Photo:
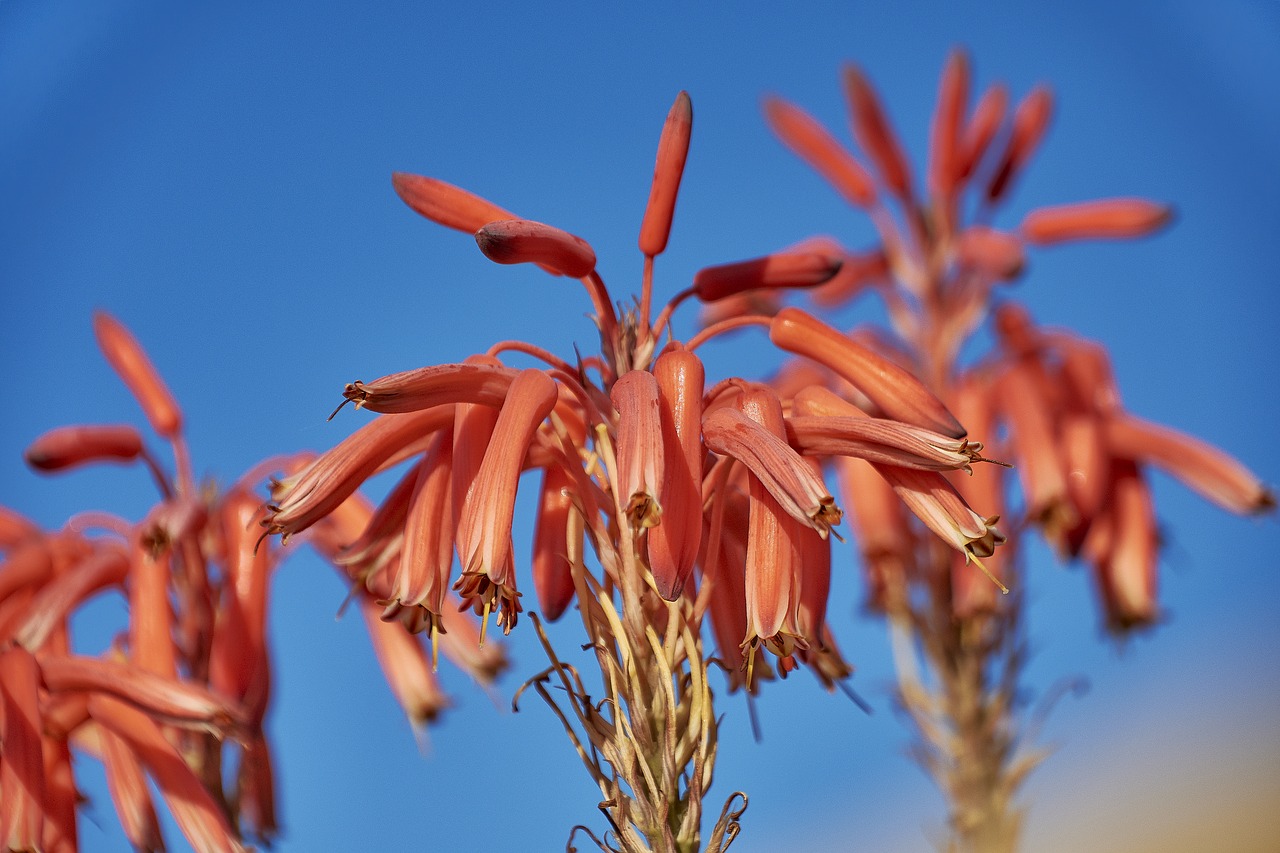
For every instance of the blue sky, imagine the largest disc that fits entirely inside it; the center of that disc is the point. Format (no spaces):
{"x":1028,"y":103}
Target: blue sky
{"x":218,"y":178}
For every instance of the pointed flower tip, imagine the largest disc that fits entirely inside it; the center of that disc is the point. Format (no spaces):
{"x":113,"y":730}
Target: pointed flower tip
{"x":517,"y":241}
{"x":130,"y":362}
{"x":1103,"y":219}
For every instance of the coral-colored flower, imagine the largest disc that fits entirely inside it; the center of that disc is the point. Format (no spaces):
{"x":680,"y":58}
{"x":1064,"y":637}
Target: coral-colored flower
{"x":523,"y":241}
{"x":673,"y":149}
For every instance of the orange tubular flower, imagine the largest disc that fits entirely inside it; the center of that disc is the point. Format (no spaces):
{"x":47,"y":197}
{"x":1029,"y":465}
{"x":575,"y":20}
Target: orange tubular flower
{"x":895,"y":391}
{"x":879,"y":523}
{"x":779,"y":468}
{"x":521,"y":241}
{"x":881,"y":440}
{"x":405,"y":664}
{"x":776,"y":271}
{"x":773,"y":551}
{"x":197,"y":814}
{"x":673,"y":545}
{"x":987,"y":117}
{"x":871,"y":129}
{"x":484,"y":527}
{"x":127,"y":785}
{"x":336,"y":474}
{"x":150,"y":614}
{"x":22,"y":777}
{"x":557,"y":543}
{"x":640,"y":448}
{"x":131,"y":363}
{"x":1040,"y":464}
{"x":936,"y":502}
{"x":1126,"y":562}
{"x":426,"y":557}
{"x":800,"y":132}
{"x":673,"y":149}
{"x":1204,"y":468}
{"x":69,"y":447}
{"x":414,"y":390}
{"x":971,"y":594}
{"x":1104,"y":219}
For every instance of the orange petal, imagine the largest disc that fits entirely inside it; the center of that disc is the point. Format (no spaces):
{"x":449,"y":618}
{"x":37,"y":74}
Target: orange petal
{"x":640,"y":449}
{"x":673,"y":149}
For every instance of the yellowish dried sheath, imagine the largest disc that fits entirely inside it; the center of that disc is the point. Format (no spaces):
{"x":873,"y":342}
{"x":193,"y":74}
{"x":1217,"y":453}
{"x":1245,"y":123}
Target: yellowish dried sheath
{"x":895,"y":391}
{"x":523,"y":241}
{"x":72,"y":446}
{"x":1104,"y":219}
{"x":127,"y":358}
{"x":673,"y":149}
{"x":779,"y":270}
{"x":811,"y":142}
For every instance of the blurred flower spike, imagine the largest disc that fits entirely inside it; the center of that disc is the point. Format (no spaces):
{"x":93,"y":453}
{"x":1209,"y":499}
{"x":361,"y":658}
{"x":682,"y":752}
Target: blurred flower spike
{"x":1042,"y":400}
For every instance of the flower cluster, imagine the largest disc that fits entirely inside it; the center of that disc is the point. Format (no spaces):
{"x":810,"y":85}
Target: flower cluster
{"x":1044,"y":399}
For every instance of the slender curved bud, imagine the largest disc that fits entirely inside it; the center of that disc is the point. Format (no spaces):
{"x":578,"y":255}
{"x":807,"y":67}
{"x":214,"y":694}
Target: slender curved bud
{"x":673,"y":149}
{"x":945,"y":133}
{"x":425,"y":387}
{"x":484,"y":526}
{"x":1214,"y":474}
{"x":1103,"y":219}
{"x":895,"y":391}
{"x":997,"y":254}
{"x":987,"y":117}
{"x":872,"y":130}
{"x":200,"y":818}
{"x":780,"y":270}
{"x":674,"y":544}
{"x":520,"y":241}
{"x":72,"y":446}
{"x":1030,"y":120}
{"x":557,"y":543}
{"x":640,"y":450}
{"x":22,"y":776}
{"x":811,"y":142}
{"x":130,"y":362}
{"x":446,"y":204}
{"x":780,"y":469}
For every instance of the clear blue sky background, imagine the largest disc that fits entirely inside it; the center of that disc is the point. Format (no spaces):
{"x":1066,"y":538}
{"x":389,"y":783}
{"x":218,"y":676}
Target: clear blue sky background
{"x":218,"y":178}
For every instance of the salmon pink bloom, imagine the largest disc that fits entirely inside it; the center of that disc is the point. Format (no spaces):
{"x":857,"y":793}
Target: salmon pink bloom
{"x":521,"y":241}
{"x":816,"y":146}
{"x":674,"y":544}
{"x":557,"y":543}
{"x":69,"y":447}
{"x":640,"y":448}
{"x":875,"y":136}
{"x":782,"y":270}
